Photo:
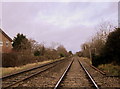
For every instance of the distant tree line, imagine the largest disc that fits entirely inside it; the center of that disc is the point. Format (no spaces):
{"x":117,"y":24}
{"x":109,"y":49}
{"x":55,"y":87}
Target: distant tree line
{"x":28,"y":51}
{"x":104,"y":47}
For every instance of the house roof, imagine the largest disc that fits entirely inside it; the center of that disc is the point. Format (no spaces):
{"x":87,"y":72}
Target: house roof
{"x":5,"y":35}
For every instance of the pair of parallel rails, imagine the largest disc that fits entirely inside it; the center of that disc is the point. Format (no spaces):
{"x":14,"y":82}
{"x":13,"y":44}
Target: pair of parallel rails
{"x":12,"y":79}
{"x":95,"y":86}
{"x":27,"y":74}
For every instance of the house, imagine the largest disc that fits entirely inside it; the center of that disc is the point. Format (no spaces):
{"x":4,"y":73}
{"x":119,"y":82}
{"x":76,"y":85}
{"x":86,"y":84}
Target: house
{"x":5,"y":42}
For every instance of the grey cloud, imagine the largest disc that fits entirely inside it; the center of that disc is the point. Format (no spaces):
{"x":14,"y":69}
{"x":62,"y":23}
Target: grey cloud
{"x":21,"y":18}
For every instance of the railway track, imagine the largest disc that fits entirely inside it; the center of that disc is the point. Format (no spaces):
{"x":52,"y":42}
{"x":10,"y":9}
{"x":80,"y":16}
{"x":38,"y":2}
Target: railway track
{"x":11,"y":80}
{"x":89,"y":76}
{"x":65,"y":76}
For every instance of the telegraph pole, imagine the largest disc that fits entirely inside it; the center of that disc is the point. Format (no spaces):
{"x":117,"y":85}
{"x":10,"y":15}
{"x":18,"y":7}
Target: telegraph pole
{"x":90,"y":53}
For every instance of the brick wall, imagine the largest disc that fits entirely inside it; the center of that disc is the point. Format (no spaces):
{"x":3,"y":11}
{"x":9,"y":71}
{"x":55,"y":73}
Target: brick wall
{"x":6,"y":46}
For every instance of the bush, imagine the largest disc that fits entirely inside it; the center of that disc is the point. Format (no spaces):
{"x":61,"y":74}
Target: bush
{"x":37,"y":53}
{"x":9,"y":59}
{"x":40,"y":58}
{"x":112,"y":46}
{"x":111,"y":51}
{"x":16,"y":59}
{"x":62,"y":55}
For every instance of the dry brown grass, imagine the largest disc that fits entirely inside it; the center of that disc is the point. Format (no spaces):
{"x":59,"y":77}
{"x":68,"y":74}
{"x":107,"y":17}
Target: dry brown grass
{"x":86,"y":60}
{"x":9,"y":70}
{"x":110,"y":69}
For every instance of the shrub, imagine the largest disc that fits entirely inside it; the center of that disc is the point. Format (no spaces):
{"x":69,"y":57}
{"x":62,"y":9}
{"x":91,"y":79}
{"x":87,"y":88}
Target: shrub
{"x":16,"y":59}
{"x":37,"y":53}
{"x":40,"y":58}
{"x":110,"y":52}
{"x":9,"y":59}
{"x":62,"y":55}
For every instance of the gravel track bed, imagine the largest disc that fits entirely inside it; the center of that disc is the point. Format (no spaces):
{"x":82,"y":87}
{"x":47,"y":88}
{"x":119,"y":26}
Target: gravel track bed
{"x":21,"y":76}
{"x":18,"y":77}
{"x":46,"y":79}
{"x":76,"y":77}
{"x":102,"y":81}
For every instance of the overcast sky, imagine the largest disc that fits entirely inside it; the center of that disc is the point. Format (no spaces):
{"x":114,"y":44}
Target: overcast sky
{"x":68,"y":23}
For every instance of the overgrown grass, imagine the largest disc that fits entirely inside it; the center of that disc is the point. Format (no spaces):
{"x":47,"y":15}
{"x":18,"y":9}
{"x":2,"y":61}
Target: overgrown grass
{"x":110,"y":69}
{"x":87,"y":60}
{"x":9,"y":70}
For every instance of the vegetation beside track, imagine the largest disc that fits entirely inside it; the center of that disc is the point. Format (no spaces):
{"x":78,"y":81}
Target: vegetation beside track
{"x":110,"y":69}
{"x":9,"y":70}
{"x":103,"y":50}
{"x":86,"y":60}
{"x":26,"y":51}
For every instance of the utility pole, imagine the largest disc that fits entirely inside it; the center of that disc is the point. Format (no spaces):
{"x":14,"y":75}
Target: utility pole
{"x":90,"y":52}
{"x":89,"y":49}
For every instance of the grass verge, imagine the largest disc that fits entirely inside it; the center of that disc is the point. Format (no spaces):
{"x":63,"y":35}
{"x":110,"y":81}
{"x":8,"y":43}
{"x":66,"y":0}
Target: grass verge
{"x":87,"y":60}
{"x":110,"y":69}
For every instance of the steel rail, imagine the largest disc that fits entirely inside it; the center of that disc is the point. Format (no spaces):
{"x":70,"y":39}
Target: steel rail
{"x":27,"y":70}
{"x":90,"y":77}
{"x":103,"y":73}
{"x":28,"y":77}
{"x":31,"y":74}
{"x":63,"y":75}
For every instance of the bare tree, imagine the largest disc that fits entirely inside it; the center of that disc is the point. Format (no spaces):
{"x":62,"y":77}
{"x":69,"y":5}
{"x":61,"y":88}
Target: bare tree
{"x":62,"y":51}
{"x":97,"y":42}
{"x":54,"y":45}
